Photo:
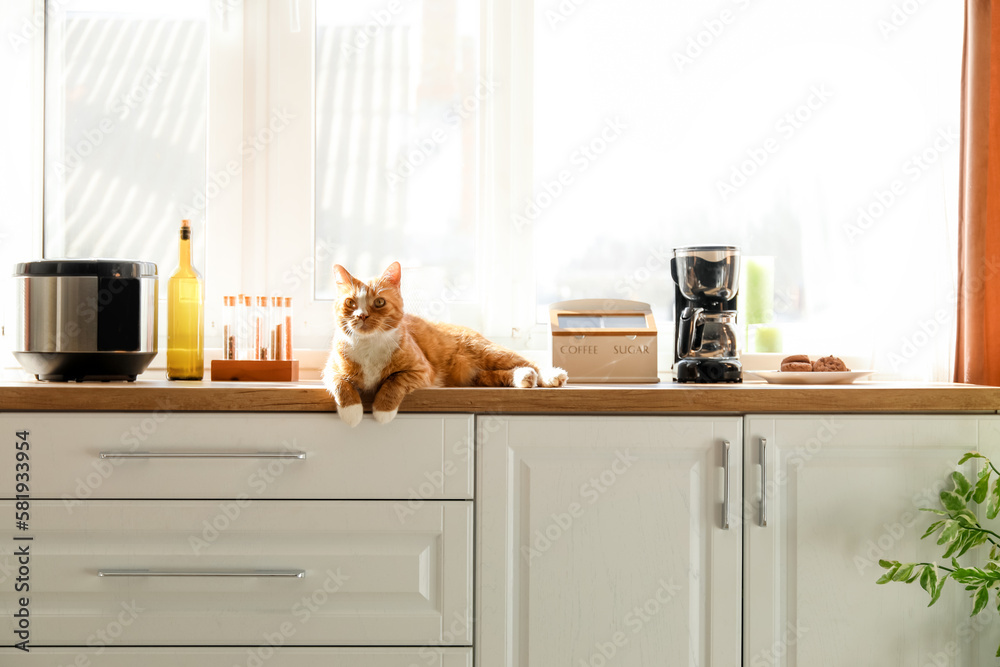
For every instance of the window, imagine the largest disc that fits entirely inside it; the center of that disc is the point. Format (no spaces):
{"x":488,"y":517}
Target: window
{"x":514,"y":154}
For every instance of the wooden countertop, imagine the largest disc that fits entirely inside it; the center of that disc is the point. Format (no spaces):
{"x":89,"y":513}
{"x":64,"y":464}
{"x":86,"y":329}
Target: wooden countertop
{"x":665,"y":397}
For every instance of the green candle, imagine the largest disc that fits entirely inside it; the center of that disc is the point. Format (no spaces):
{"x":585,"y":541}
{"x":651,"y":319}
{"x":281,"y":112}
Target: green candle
{"x":758,"y":300}
{"x":767,"y":339}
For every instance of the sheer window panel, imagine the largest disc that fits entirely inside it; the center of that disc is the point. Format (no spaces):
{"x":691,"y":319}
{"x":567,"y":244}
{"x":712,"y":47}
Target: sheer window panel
{"x":643,"y":142}
{"x":399,"y":90}
{"x":126,"y":116}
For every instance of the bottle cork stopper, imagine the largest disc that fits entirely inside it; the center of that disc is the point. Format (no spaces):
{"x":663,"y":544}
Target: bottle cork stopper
{"x":185,"y":224}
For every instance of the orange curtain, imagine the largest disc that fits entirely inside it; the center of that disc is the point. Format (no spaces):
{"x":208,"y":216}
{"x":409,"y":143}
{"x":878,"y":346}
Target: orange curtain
{"x":977,"y":353}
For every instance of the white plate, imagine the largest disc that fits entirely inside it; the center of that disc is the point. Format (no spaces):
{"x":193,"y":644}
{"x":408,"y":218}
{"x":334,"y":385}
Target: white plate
{"x":810,"y":377}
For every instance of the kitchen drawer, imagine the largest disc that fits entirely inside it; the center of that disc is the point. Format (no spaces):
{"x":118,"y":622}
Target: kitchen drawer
{"x":413,"y":457}
{"x":246,"y":657}
{"x":374,"y":572}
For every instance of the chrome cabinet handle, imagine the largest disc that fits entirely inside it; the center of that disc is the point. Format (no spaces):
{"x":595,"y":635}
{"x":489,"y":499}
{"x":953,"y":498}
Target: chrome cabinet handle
{"x":203,"y":455}
{"x":296,"y":574}
{"x":763,"y":482}
{"x":725,"y":497}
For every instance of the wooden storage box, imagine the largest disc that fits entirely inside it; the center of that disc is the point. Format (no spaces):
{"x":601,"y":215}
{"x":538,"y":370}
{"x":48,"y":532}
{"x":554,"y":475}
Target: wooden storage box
{"x":604,"y":340}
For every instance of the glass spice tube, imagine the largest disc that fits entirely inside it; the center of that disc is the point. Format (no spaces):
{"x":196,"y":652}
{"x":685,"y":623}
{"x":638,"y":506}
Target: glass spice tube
{"x":241,"y":327}
{"x":260,"y":329}
{"x":276,"y":325}
{"x":288,"y":328}
{"x":229,"y":327}
{"x":247,"y":327}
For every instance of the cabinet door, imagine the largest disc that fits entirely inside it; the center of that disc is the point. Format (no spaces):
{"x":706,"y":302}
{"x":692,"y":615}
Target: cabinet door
{"x":602,"y":541}
{"x":840,"y":493}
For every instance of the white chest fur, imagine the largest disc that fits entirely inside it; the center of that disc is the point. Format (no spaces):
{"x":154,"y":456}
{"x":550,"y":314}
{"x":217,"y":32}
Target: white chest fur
{"x":372,"y":353}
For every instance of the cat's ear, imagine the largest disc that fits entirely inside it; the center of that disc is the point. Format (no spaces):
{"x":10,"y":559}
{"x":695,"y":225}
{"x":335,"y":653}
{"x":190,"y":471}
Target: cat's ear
{"x":392,"y":274}
{"x":343,"y":277}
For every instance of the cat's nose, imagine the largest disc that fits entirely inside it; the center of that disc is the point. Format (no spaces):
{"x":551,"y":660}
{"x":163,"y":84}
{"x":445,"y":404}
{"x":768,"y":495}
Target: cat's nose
{"x":362,"y":316}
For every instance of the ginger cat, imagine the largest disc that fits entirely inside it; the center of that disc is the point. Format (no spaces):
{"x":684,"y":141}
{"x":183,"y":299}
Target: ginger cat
{"x":381,"y":353}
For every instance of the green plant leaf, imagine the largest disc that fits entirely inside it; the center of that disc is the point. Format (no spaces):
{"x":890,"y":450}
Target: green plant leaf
{"x":970,"y":540}
{"x":950,"y":532}
{"x":975,"y":576}
{"x":962,"y":485}
{"x":892,"y":566}
{"x":934,"y":511}
{"x":982,"y":597}
{"x":967,"y":518}
{"x":904,"y":572}
{"x":971,"y":455}
{"x":934,"y":585}
{"x":886,"y":578}
{"x":982,"y":486}
{"x":993,"y":507}
{"x":952,"y":501}
{"x":953,"y":547}
{"x":934,"y":526}
{"x":938,"y":589}
{"x":925,"y":579}
{"x":965,"y":575}
{"x":963,"y":543}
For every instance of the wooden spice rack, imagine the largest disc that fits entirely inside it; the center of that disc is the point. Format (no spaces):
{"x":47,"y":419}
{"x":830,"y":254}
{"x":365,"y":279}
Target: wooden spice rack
{"x":239,"y":370}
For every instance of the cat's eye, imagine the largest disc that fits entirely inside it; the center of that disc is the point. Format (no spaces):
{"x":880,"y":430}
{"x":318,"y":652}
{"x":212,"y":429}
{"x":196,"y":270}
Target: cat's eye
{"x":379,"y":302}
{"x":351,"y":303}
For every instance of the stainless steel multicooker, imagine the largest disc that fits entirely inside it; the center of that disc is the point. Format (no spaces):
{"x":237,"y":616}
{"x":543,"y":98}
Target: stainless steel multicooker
{"x":86,"y":319}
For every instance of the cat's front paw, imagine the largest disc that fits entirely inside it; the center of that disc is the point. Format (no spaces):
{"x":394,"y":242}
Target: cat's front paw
{"x":351,"y":414}
{"x":384,"y":416}
{"x":525,"y":377}
{"x":553,"y":377}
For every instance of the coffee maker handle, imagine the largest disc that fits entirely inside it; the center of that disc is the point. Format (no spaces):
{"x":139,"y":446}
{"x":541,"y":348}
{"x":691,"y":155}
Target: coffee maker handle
{"x":689,"y":331}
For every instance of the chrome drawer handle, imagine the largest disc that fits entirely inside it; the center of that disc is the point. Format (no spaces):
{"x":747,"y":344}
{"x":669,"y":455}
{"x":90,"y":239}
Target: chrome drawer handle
{"x":725,"y":500}
{"x":203,"y":455}
{"x":296,"y":574}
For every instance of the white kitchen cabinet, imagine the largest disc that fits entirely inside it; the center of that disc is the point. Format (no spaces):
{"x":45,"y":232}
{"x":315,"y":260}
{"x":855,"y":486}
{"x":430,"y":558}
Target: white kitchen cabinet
{"x":602,"y":541}
{"x":840,"y":493}
{"x":239,"y":530}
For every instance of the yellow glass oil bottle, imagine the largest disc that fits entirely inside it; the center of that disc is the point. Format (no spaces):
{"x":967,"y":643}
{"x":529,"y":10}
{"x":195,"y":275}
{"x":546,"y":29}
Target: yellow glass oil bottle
{"x":185,"y":316}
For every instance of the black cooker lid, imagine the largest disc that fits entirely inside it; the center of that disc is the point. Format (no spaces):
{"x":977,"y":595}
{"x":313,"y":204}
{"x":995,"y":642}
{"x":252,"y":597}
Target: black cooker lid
{"x":101,"y":268}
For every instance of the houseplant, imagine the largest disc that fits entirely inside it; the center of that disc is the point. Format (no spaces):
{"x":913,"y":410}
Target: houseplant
{"x":959,"y":531}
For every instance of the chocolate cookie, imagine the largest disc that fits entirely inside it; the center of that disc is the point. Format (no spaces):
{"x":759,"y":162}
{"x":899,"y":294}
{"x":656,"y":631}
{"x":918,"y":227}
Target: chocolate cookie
{"x":829,"y":364}
{"x":797,"y":363}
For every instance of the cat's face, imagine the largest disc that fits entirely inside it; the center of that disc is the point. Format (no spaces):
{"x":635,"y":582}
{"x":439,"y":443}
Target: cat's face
{"x":372,"y":307}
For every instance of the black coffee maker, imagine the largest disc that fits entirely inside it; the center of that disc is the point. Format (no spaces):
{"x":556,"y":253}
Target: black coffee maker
{"x":706,"y":280}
